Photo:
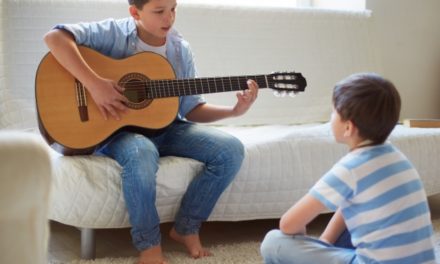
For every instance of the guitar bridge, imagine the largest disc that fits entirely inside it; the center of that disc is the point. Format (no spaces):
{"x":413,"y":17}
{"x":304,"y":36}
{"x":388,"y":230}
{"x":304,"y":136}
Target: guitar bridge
{"x":81,"y":100}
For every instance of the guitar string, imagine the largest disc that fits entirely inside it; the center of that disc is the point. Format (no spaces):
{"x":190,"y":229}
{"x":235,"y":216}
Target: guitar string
{"x":194,"y":81}
{"x":195,"y":88}
{"x":218,"y":79}
{"x":192,"y":84}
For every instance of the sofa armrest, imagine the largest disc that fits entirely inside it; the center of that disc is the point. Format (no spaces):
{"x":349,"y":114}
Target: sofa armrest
{"x":25,"y":173}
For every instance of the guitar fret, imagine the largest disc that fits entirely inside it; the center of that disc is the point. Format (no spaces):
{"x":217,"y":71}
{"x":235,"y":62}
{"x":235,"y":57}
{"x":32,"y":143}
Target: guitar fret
{"x":202,"y":84}
{"x":200,"y":81}
{"x":155,"y":89}
{"x":159,"y":89}
{"x":230,"y":82}
{"x":164,"y":90}
{"x":212,"y":83}
{"x":190,"y":89}
{"x":215,"y":84}
{"x":237,"y":80}
{"x":240,"y":81}
{"x":194,"y":89}
{"x":156,"y":92}
{"x":207,"y":84}
{"x":218,"y":85}
{"x":166,"y":86}
{"x":208,"y":81}
{"x":185,"y":92}
{"x":171,"y":90}
{"x":176,"y":90}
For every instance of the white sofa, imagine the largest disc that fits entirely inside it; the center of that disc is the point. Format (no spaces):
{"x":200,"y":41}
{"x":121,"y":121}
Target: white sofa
{"x":288,"y":142}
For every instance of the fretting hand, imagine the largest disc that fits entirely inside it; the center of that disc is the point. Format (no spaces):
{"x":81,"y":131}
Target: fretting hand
{"x":246,"y":98}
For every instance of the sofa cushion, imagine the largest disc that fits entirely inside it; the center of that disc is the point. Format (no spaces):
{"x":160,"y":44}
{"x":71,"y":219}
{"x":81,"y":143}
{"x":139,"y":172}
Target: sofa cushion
{"x":278,"y":169}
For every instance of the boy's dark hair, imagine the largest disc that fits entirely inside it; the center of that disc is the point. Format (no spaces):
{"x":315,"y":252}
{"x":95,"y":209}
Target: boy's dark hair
{"x":138,"y":3}
{"x":371,"y":102}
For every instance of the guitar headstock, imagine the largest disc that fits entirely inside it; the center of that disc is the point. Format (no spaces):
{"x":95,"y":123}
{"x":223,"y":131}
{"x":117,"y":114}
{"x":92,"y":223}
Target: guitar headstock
{"x":286,"y":83}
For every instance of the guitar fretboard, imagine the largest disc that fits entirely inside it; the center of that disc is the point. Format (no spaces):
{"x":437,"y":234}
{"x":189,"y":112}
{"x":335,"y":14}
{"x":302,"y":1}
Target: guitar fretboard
{"x":182,"y":87}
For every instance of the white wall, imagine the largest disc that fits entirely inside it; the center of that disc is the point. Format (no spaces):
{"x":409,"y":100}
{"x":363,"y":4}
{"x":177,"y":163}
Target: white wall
{"x":324,"y":45}
{"x":408,"y":35}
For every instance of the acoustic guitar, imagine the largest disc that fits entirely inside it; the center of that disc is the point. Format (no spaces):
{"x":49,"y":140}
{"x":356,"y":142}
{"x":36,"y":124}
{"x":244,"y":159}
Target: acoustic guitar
{"x":72,"y":124}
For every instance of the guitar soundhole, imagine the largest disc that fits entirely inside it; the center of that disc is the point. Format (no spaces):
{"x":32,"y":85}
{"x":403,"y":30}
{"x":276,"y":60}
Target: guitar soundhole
{"x":135,"y":91}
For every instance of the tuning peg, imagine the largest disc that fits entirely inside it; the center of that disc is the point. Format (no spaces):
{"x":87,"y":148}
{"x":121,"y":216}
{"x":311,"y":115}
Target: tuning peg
{"x":292,"y":94}
{"x":276,"y":93}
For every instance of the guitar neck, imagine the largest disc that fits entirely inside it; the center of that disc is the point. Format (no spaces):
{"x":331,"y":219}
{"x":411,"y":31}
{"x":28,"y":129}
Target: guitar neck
{"x":182,"y":87}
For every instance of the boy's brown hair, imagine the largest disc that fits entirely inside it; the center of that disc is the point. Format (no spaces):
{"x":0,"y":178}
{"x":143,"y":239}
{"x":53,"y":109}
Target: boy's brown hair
{"x":138,"y":3}
{"x":371,"y":102}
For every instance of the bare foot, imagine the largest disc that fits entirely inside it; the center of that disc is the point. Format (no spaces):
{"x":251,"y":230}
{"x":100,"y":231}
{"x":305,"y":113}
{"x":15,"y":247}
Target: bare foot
{"x":152,"y":255}
{"x":192,"y":244}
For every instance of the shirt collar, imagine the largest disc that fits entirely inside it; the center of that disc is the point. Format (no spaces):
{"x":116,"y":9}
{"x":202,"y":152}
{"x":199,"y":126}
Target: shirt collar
{"x":131,"y":27}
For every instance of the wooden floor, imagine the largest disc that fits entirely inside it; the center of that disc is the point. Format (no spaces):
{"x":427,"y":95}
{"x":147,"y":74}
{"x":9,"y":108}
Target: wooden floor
{"x":64,"y":245}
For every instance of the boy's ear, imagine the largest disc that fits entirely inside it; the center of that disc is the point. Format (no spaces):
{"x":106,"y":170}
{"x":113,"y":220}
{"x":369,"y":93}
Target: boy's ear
{"x":133,"y":12}
{"x":350,"y":129}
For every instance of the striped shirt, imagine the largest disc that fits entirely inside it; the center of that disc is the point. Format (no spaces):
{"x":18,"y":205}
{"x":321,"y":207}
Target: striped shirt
{"x":383,"y":203}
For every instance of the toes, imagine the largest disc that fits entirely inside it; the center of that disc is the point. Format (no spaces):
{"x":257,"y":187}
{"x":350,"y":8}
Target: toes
{"x":200,"y":253}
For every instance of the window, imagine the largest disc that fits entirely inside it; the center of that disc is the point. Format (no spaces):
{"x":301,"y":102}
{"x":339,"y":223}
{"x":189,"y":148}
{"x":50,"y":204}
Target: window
{"x":327,"y":4}
{"x":337,"y":4}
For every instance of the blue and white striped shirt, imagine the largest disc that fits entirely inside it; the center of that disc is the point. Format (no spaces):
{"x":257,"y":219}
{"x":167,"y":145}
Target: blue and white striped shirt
{"x":383,"y":203}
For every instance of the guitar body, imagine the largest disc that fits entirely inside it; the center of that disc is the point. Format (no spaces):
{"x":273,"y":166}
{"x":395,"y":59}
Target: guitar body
{"x":74,"y":125}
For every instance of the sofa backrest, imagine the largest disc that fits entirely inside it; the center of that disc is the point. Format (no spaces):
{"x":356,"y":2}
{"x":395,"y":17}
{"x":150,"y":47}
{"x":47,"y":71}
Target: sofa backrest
{"x":323,"y":45}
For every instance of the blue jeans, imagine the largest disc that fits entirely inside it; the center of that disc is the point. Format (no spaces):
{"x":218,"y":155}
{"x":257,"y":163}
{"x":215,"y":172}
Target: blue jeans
{"x":138,"y":156}
{"x":278,"y":248}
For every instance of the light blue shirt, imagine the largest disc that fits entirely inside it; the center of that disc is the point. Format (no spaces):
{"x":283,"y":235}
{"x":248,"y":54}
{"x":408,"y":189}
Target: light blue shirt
{"x":117,"y":38}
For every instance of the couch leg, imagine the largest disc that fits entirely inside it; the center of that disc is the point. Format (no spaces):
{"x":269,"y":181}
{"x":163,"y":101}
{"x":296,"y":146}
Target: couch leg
{"x":87,"y":243}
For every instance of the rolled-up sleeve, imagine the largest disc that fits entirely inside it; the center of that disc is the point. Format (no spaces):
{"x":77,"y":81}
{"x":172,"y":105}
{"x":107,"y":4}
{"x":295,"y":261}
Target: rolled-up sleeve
{"x":103,"y":36}
{"x":188,"y":103}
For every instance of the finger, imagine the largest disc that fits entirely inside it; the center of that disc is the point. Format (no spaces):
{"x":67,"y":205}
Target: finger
{"x":120,"y":106}
{"x":253,"y":87}
{"x":112,"y":112}
{"x":120,"y":96}
{"x":103,"y":112}
{"x":251,"y":83}
{"x":118,"y":88}
{"x":248,"y":95}
{"x":241,"y":97}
